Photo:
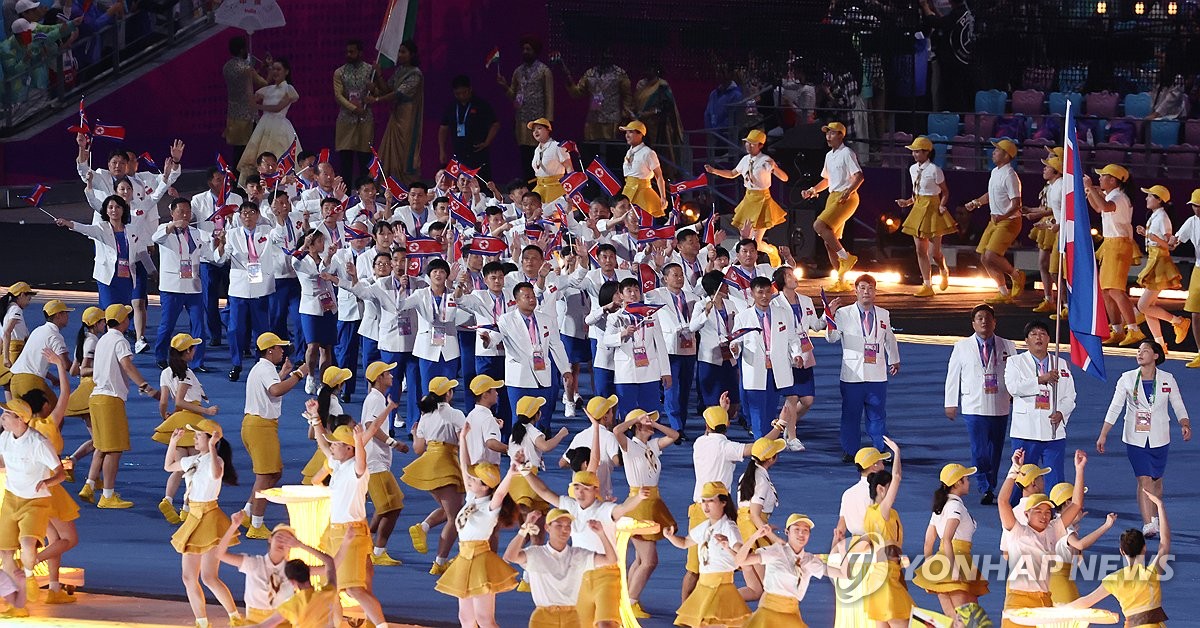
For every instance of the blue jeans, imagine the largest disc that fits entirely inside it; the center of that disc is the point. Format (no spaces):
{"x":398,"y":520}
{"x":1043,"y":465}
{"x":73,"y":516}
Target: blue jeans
{"x":214,"y":284}
{"x":987,"y":448}
{"x":406,"y":369}
{"x":642,"y":396}
{"x":493,"y":367}
{"x":675,"y":398}
{"x":173,"y":304}
{"x":762,"y":406}
{"x":857,"y":398}
{"x":345,"y":352}
{"x":1044,"y":453}
{"x":285,"y":315}
{"x":247,"y":319}
{"x":466,"y":361}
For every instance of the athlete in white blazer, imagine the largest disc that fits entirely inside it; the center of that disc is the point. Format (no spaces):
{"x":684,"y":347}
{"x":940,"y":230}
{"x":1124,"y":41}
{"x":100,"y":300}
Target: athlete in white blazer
{"x":438,"y":318}
{"x":766,"y":356}
{"x":640,"y":359}
{"x":590,"y":281}
{"x":745,"y":264}
{"x":975,"y":385}
{"x":534,"y":355}
{"x":116,"y":252}
{"x":487,"y":306}
{"x":713,"y":319}
{"x":251,"y":258}
{"x":675,"y":317}
{"x":214,"y":278}
{"x":1043,"y":392}
{"x":181,"y":249}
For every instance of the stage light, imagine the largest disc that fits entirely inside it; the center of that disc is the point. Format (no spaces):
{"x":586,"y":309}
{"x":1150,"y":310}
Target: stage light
{"x":798,"y":273}
{"x":1101,"y":7}
{"x":973,"y":282}
{"x":881,"y":276}
{"x":889,"y":223}
{"x":1095,"y":232}
{"x":1172,"y":8}
{"x":1139,"y":8}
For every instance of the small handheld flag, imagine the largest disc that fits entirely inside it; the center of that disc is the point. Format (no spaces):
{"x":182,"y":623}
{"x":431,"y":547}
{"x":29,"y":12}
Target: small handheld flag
{"x":413,"y":268}
{"x":146,"y":159}
{"x":35,"y":197}
{"x":578,"y":202}
{"x":829,"y":324}
{"x":353,"y":234}
{"x":570,"y":146}
{"x":573,"y":181}
{"x":710,"y":231}
{"x":486,"y":246}
{"x":424,"y":247}
{"x":453,"y":167}
{"x":82,"y":127}
{"x":604,"y":177}
{"x":691,"y":184}
{"x":109,"y":131}
{"x":736,"y":279}
{"x":398,"y":191}
{"x":647,"y":277}
{"x":492,"y":57}
{"x":743,"y":331}
{"x":224,"y":212}
{"x":323,"y":156}
{"x":298,"y":253}
{"x":646,"y":236}
{"x":376,"y":166}
{"x":462,"y":215}
{"x":641,"y":311}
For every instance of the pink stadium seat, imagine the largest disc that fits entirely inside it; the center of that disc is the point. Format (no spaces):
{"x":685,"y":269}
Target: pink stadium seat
{"x":1033,"y":151}
{"x":1180,"y":162}
{"x":1101,"y":104}
{"x":1029,"y":102}
{"x":1144,"y":162}
{"x":1106,"y":153}
{"x":1191,"y":132}
{"x":965,"y":152}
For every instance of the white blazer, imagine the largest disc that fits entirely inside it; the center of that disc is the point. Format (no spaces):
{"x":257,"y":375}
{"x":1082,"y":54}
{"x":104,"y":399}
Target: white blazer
{"x":675,"y":324}
{"x":598,"y":318}
{"x":751,"y":349}
{"x":806,"y":319}
{"x":1028,"y":421}
{"x":555,"y":286}
{"x":713,"y":329}
{"x":236,"y":253}
{"x":966,"y":374}
{"x":519,"y":369}
{"x":284,"y":236}
{"x":850,"y":333}
{"x":1166,"y":397}
{"x":743,"y":298}
{"x":411,"y":223}
{"x":105,"y":268}
{"x":397,"y":327}
{"x":590,"y":282}
{"x":692,"y":273}
{"x":203,"y":207}
{"x":573,"y":308}
{"x":481,"y":305}
{"x":649,"y":336}
{"x":449,"y":317}
{"x":172,"y":250}
{"x":312,"y":288}
{"x":350,"y":306}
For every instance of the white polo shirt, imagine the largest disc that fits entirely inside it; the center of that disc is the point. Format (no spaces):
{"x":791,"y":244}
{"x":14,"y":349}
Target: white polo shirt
{"x":581,"y":535}
{"x":263,"y":375}
{"x":483,"y":428}
{"x":954,"y":509}
{"x":31,"y":361}
{"x":266,"y":585}
{"x":27,"y":460}
{"x":554,"y":576}
{"x":714,"y":458}
{"x":841,"y":164}
{"x":927,"y":179}
{"x":713,"y":557}
{"x":1030,"y":554}
{"x":379,"y":456}
{"x":202,"y":486}
{"x":1119,"y":223}
{"x":788,"y":573}
{"x":764,"y":492}
{"x":106,"y":368}
{"x":347,"y":492}
{"x":855,"y":501}
{"x":642,"y":462}
{"x":609,"y":449}
{"x":756,"y":171}
{"x":1003,"y":186}
{"x":640,"y":162}
{"x":476,"y":520}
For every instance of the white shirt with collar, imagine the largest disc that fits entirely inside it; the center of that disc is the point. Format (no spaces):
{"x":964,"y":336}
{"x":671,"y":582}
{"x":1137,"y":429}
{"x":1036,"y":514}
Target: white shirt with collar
{"x":756,"y":171}
{"x":1003,"y":187}
{"x":379,"y":455}
{"x":259,"y":401}
{"x":804,"y":313}
{"x":348,"y":492}
{"x":350,"y":306}
{"x":777,"y":325}
{"x":106,"y":366}
{"x":675,"y":317}
{"x":1029,"y":421}
{"x":590,"y":282}
{"x":841,"y":164}
{"x":715,"y":558}
{"x":554,"y":576}
{"x":597,"y":319}
{"x":397,"y":329}
{"x":487,"y":308}
{"x":246,"y":281}
{"x":973,"y":386}
{"x":581,"y":535}
{"x":927,"y":179}
{"x":31,"y":361}
{"x":857,"y":337}
{"x":648,"y":338}
{"x":640,"y":162}
{"x":104,"y":270}
{"x":550,"y":160}
{"x":204,"y":205}
{"x":412,"y":222}
{"x":1118,"y":223}
{"x":1147,"y":421}
{"x":521,"y":349}
{"x":180,"y":254}
{"x":484,"y":428}
{"x":743,"y":297}
{"x":28,"y":459}
{"x":610,"y":450}
{"x":714,"y":459}
{"x":787,"y":573}
{"x":437,"y":320}
{"x":853,"y":509}
{"x":713,"y":329}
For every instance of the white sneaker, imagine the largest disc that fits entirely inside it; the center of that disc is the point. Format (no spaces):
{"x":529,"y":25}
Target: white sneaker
{"x":795,"y":444}
{"x":1150,"y":530}
{"x":565,"y":399}
{"x":404,"y":385}
{"x":569,"y":409}
{"x":141,"y":345}
{"x":398,"y":422}
{"x":310,"y":385}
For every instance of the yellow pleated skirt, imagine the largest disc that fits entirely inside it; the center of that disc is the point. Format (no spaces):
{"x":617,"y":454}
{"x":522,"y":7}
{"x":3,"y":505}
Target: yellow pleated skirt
{"x":385,"y":492}
{"x":714,"y":601}
{"x":202,"y":529}
{"x":477,"y":570}
{"x":14,"y":350}
{"x":777,"y":611}
{"x":926,"y":220}
{"x":77,"y":403}
{"x":549,"y":189}
{"x":524,"y":495}
{"x":641,"y":193}
{"x":178,"y":420}
{"x":758,"y":211}
{"x":435,"y":468}
{"x":891,"y":599}
{"x":653,"y":508}
{"x":1063,"y":589}
{"x":62,"y":506}
{"x":353,"y":566}
{"x":1160,"y":272}
{"x":746,"y":526}
{"x":937,"y":575}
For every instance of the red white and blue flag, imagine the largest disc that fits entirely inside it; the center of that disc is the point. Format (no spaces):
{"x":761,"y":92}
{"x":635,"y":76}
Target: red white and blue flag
{"x":647,"y":277}
{"x":829,"y":324}
{"x":569,"y":146}
{"x":641,"y":311}
{"x":462,"y":215}
{"x":603,"y":177}
{"x":736,"y":279}
{"x":577,"y":201}
{"x":298,"y":253}
{"x":323,"y":156}
{"x":709,"y":236}
{"x":83,"y":122}
{"x":1088,"y":322}
{"x":109,"y":131}
{"x":35,"y":197}
{"x":646,"y":236}
{"x":146,"y":159}
{"x":594,"y":255}
{"x":376,"y":166}
{"x":573,"y":181}
{"x":398,"y":191}
{"x":424,"y":247}
{"x":287,"y":161}
{"x":645,"y":218}
{"x":486,"y":246}
{"x":691,"y":184}
{"x":353,"y":234}
{"x":454,"y":167}
{"x":742,"y":332}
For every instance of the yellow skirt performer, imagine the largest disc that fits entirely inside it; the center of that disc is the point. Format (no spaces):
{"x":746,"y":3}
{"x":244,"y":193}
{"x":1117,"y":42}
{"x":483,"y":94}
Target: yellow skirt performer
{"x":180,"y":384}
{"x":644,"y":182}
{"x":888,"y":603}
{"x":13,"y":327}
{"x":715,"y":601}
{"x":949,"y":573}
{"x":550,"y":161}
{"x":436,"y":469}
{"x":758,"y":211}
{"x":929,"y":218}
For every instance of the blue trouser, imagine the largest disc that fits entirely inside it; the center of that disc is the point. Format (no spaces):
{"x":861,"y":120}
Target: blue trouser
{"x":119,"y":290}
{"x":602,"y":382}
{"x":493,"y":367}
{"x":514,"y":395}
{"x":408,"y":370}
{"x":247,"y":319}
{"x":1044,"y":453}
{"x":714,"y":379}
{"x":345,"y":352}
{"x":430,"y":369}
{"x":214,"y":283}
{"x":987,"y":448}
{"x":369,"y":351}
{"x":762,"y":406}
{"x":285,"y":315}
{"x":857,"y":398}
{"x":173,"y":304}
{"x":675,"y":398}
{"x":466,"y":362}
{"x":642,"y":396}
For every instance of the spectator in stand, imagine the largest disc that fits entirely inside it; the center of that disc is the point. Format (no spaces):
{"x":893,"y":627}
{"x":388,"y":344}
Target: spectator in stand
{"x":654,"y":104}
{"x":532,"y":93}
{"x":1170,"y":98}
{"x":469,"y":127}
{"x":274,"y":133}
{"x":355,"y":129}
{"x":717,"y":113}
{"x":607,"y":87}
{"x":401,"y":146}
{"x":797,"y":97}
{"x":241,"y":79}
{"x":27,"y":56}
{"x":952,"y":40}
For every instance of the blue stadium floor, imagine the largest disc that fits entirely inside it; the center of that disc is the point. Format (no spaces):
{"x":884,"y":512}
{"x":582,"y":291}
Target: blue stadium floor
{"x":127,"y":552}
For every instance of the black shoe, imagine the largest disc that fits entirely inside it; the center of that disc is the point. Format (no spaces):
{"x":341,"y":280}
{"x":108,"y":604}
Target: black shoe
{"x":215,"y":342}
{"x":847,"y":458}
{"x":202,"y":369}
{"x":162,"y":365}
{"x":989,"y":499}
{"x":235,"y":374}
{"x":683,"y":439}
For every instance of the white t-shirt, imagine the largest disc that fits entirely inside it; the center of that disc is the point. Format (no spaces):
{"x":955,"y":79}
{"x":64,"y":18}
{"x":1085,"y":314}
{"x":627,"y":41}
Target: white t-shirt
{"x":756,"y":171}
{"x":263,"y":375}
{"x":1030,"y":554}
{"x":581,"y":535}
{"x":609,"y":449}
{"x":442,"y":425}
{"x":533,"y":455}
{"x":927,"y":179}
{"x":347,"y":492}
{"x":1003,"y":186}
{"x":640,"y":162}
{"x":476,"y":520}
{"x":855,"y":501}
{"x":1054,"y":199}
{"x":549,"y":160}
{"x":168,"y":382}
{"x":841,"y":164}
{"x":483,"y":428}
{"x":1158,"y":224}
{"x":27,"y":460}
{"x":89,"y":346}
{"x":19,"y":331}
{"x":787,"y":573}
{"x":106,"y":369}
{"x":31,"y":361}
{"x":764,"y":492}
{"x":954,"y":509}
{"x":266,"y":585}
{"x":555,"y":577}
{"x":642,"y":462}
{"x":1119,"y":223}
{"x":1190,"y":231}
{"x":714,"y":458}
{"x":713,"y":557}
{"x":379,"y":455}
{"x":198,"y":471}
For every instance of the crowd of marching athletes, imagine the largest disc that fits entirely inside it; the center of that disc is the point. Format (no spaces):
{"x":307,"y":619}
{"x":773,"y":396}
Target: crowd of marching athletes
{"x":422,"y":293}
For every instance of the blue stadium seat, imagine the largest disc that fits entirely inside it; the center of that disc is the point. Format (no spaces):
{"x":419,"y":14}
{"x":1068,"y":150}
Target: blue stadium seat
{"x":1164,"y":132}
{"x":991,"y":101}
{"x":944,"y":124}
{"x":1138,"y":105}
{"x":1058,"y":102}
{"x":941,"y":148}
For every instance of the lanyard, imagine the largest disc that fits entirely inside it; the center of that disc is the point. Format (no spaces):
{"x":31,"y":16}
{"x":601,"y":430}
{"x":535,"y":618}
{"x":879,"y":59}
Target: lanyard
{"x":1147,"y":388}
{"x":531,"y":323}
{"x":191,"y":245}
{"x":122,"y":245}
{"x":986,"y":347}
{"x":291,"y":233}
{"x":724,"y":318}
{"x":868,"y":321}
{"x":680,"y":305}
{"x":251,"y":250}
{"x":439,"y":312}
{"x":694,"y":266}
{"x":764,"y":319}
{"x":461,"y":118}
{"x":400,"y":290}
{"x":497,"y":306}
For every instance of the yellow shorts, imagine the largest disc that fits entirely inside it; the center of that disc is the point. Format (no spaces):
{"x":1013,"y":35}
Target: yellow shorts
{"x":549,"y":189}
{"x":999,"y":236}
{"x":15,"y":347}
{"x":695,"y":518}
{"x":352,"y":568}
{"x":384,"y":492}
{"x":260,"y":437}
{"x":22,"y":383}
{"x":600,"y":596}
{"x":1193,"y":299}
{"x":1115,"y":257}
{"x":259,"y":615}
{"x":314,"y":466}
{"x":62,"y":506}
{"x":554,"y":617}
{"x":21,"y":518}
{"x":641,"y":193}
{"x":1024,"y":599}
{"x":110,"y":424}
{"x":837,"y":213}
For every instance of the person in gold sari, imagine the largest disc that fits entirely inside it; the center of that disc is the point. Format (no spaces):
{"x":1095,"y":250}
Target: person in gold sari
{"x":654,"y":104}
{"x":400,"y":150}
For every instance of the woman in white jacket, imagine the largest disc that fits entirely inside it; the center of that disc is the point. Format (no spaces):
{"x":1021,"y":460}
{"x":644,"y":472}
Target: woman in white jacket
{"x":117,"y":250}
{"x":1146,"y":392}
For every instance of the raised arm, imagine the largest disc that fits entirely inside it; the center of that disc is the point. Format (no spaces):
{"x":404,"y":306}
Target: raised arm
{"x":1082,"y":544}
{"x":1075,"y":510}
{"x":515,"y":552}
{"x":1004,"y":499}
{"x":223,"y":553}
{"x":885,"y":506}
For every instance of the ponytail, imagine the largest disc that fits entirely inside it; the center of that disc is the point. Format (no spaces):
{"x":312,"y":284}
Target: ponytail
{"x":941,"y":495}
{"x":80,"y":338}
{"x":177,"y":364}
{"x":5,"y":301}
{"x":323,"y":403}
{"x":225,"y":452}
{"x":519,"y":431}
{"x":749,"y":481}
{"x":429,"y":403}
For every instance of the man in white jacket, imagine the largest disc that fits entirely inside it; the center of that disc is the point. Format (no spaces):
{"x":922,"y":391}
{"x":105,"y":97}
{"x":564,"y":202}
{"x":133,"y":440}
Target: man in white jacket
{"x":533,"y":351}
{"x":1043,"y":394}
{"x":675,"y":318}
{"x":640,"y":361}
{"x":767,"y":353}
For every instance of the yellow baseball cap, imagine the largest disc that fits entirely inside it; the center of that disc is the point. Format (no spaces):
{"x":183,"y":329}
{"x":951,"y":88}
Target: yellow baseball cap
{"x":269,"y":339}
{"x":868,"y":456}
{"x":1195,"y":200}
{"x":713,"y":489}
{"x":1061,"y":493}
{"x":599,"y":406}
{"x":921,"y":143}
{"x":715,"y":416}
{"x":558,"y":513}
{"x":1029,"y":473}
{"x":117,"y":312}
{"x":1007,"y":146}
{"x":1160,"y":191}
{"x":183,"y":342}
{"x":282,"y":527}
{"x":334,"y":376}
{"x":20,"y":408}
{"x":92,"y":315}
{"x":19,"y":288}
{"x":441,"y":385}
{"x":635,"y":414}
{"x":375,"y":369}
{"x":55,"y":306}
{"x":755,"y":136}
{"x":1035,"y":500}
{"x":1058,"y":151}
{"x":635,"y":125}
{"x":486,"y":472}
{"x":208,"y":426}
{"x":482,"y":383}
{"x":954,"y":472}
{"x":343,"y":434}
{"x":795,"y":518}
{"x":1113,"y":170}
{"x":585,"y":477}
{"x":1055,"y":162}
{"x":529,"y":406}
{"x":834,"y":126}
{"x":767,"y":448}
{"x":542,"y":121}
